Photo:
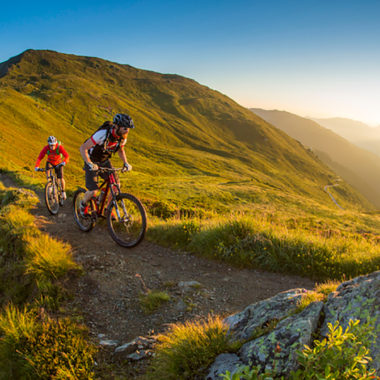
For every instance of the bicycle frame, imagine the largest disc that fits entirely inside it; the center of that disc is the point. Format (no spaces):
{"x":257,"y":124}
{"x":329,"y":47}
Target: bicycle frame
{"x":110,"y":184}
{"x":51,"y":175}
{"x":125,"y":214}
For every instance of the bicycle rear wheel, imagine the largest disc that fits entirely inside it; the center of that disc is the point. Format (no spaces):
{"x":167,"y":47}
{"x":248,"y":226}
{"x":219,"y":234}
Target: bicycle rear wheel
{"x":84,"y":220}
{"x":127,"y":220}
{"x":51,"y":197}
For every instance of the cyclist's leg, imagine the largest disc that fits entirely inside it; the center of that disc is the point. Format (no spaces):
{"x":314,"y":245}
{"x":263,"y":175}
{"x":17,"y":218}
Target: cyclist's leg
{"x":48,"y":169}
{"x":59,"y":172}
{"x":91,"y":184}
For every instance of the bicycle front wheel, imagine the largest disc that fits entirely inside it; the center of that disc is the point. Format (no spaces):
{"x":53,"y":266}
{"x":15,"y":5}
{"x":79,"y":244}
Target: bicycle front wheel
{"x":127,"y":220}
{"x":51,"y":197}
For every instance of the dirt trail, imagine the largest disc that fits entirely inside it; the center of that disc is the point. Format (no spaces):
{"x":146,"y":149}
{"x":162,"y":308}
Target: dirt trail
{"x":108,"y":292}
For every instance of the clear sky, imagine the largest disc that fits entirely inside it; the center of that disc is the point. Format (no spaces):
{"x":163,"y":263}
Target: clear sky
{"x":318,"y":58}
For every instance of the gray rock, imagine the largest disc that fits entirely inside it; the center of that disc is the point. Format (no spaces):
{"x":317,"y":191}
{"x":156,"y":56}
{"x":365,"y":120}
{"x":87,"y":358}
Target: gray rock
{"x":242,"y":325}
{"x":281,"y":345}
{"x":136,"y":346}
{"x":138,"y":355}
{"x":181,"y":305}
{"x":127,"y":348}
{"x":188,"y":285}
{"x":278,"y":349}
{"x":356,"y":299}
{"x":108,"y":342}
{"x":222,"y":364}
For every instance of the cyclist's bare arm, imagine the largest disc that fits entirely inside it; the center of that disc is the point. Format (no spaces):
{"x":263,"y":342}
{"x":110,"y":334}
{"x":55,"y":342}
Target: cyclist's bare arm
{"x":84,"y":148}
{"x":122,"y":155}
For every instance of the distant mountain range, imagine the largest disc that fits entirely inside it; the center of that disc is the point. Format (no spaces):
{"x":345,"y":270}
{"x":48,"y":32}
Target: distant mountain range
{"x":354,"y":131}
{"x":355,"y":165}
{"x":192,"y":146}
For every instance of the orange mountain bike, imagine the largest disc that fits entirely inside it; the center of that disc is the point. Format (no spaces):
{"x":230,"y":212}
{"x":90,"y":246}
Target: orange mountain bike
{"x":125,"y":214}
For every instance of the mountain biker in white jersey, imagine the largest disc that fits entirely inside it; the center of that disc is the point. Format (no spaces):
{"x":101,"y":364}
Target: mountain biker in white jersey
{"x":98,"y":149}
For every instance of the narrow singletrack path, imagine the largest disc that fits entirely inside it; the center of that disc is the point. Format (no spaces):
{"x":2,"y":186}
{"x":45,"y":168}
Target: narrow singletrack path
{"x":107,"y":294}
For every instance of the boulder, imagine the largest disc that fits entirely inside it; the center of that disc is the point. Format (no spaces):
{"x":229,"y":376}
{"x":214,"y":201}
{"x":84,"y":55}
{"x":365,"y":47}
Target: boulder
{"x":278,"y":349}
{"x":242,"y":325}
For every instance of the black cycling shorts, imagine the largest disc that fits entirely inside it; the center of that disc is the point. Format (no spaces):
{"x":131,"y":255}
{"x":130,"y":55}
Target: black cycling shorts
{"x":58,"y":170}
{"x":92,"y":176}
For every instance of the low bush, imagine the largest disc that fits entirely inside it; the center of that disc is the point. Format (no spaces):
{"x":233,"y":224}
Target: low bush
{"x":188,"y":349}
{"x":33,"y":345}
{"x":32,"y":269}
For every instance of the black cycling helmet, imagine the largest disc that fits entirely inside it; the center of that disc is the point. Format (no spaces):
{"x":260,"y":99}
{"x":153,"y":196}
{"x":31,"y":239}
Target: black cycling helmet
{"x":123,"y":120}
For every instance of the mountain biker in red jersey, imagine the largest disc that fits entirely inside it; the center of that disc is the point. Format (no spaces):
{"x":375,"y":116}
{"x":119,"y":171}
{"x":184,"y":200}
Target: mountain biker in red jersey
{"x":56,"y":154}
{"x":98,"y":149}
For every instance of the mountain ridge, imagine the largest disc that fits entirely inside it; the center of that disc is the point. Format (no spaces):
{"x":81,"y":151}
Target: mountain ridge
{"x":341,"y":155}
{"x":183,"y":128}
{"x":357,"y":132}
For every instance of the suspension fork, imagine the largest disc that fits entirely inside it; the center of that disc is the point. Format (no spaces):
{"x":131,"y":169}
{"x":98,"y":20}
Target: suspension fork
{"x":113,"y":186}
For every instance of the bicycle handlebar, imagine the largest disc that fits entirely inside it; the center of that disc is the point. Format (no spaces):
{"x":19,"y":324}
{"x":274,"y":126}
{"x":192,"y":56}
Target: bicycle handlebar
{"x":109,"y":169}
{"x":56,"y":166}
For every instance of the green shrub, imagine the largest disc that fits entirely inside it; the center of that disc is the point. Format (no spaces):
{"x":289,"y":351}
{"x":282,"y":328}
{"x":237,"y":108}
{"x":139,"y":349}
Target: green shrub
{"x":33,"y":345}
{"x":247,"y":373}
{"x":342,"y":355}
{"x":48,"y":258}
{"x":177,"y":233}
{"x":188,"y":349}
{"x":257,"y":243}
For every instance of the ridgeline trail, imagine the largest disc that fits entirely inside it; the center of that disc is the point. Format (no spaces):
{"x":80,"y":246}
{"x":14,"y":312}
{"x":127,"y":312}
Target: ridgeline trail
{"x":107,"y":294}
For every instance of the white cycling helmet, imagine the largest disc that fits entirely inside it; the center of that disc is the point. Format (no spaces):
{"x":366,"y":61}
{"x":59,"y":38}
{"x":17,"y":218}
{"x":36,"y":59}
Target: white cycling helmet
{"x":123,"y":120}
{"x":52,"y":140}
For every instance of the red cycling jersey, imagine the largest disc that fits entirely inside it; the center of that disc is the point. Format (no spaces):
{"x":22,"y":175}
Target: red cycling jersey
{"x":53,"y":157}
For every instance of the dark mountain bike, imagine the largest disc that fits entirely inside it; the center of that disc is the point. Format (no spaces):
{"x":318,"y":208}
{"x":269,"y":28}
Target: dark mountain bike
{"x":53,"y":190}
{"x":125,"y":214}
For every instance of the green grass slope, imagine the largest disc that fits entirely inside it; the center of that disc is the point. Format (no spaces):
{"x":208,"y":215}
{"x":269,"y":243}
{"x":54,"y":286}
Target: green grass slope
{"x":192,"y":146}
{"x":357,"y":166}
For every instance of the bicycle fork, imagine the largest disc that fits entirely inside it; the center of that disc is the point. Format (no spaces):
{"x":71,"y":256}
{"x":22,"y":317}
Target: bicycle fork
{"x":118,"y":211}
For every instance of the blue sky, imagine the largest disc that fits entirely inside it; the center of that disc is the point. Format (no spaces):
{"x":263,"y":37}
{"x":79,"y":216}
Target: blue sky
{"x":317,"y":58}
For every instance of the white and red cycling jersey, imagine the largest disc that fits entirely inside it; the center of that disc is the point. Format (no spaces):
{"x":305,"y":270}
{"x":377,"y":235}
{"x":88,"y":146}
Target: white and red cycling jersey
{"x":106,"y":143}
{"x":99,"y":137}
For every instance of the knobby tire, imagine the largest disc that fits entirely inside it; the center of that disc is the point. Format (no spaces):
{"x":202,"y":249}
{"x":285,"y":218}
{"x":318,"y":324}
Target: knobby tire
{"x":51,"y":197}
{"x":128,"y":230}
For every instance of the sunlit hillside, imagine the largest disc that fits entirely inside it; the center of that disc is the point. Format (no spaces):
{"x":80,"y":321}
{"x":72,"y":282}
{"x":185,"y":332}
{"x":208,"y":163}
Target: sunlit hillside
{"x":215,"y":178}
{"x":191,"y":146}
{"x":354,"y":131}
{"x":357,"y":166}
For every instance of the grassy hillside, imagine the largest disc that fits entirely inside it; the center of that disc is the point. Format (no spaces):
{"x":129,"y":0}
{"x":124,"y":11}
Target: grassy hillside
{"x":192,"y":146}
{"x":357,"y":166}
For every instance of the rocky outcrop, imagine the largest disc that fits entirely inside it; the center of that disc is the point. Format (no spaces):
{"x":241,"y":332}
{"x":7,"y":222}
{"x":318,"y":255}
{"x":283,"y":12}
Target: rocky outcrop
{"x":258,"y":315}
{"x":356,"y":299}
{"x":277,"y":349}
